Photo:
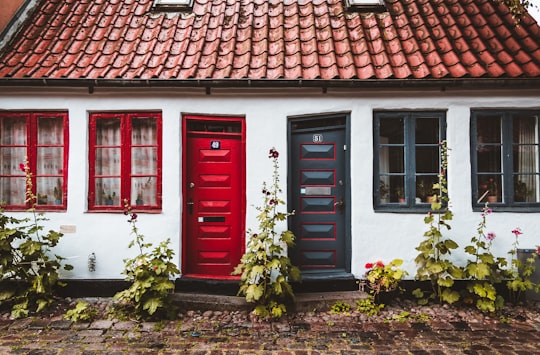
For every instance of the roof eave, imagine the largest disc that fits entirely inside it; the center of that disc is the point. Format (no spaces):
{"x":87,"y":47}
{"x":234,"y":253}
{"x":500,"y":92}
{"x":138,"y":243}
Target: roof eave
{"x":477,"y":83}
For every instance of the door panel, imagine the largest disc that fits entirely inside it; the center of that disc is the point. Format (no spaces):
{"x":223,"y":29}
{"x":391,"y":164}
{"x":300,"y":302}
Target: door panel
{"x":318,"y":194}
{"x":213,"y":204}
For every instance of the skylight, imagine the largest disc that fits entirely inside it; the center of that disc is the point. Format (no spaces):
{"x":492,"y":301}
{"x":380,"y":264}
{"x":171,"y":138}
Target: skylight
{"x":173,"y":4}
{"x":365,"y":2}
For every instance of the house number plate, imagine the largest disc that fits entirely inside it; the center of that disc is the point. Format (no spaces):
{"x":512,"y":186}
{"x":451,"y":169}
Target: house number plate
{"x":317,"y":138}
{"x":317,"y":190}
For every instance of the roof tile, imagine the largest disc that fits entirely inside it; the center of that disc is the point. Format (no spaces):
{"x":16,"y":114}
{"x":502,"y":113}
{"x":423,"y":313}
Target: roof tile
{"x":271,"y":39}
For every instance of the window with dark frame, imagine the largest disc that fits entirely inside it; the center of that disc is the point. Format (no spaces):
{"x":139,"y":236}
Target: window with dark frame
{"x":41,"y":139}
{"x":505,"y":159}
{"x":407,"y":158}
{"x":125,"y":161}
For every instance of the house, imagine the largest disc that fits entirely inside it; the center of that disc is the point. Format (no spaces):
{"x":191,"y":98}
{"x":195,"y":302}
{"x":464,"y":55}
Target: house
{"x":175,"y":104}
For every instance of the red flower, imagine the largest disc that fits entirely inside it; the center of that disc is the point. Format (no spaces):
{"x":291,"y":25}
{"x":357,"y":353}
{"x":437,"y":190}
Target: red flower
{"x":369,"y":265}
{"x":273,"y":153}
{"x":517,"y":232}
{"x":133,"y":216}
{"x":379,"y":264}
{"x":22,"y":167}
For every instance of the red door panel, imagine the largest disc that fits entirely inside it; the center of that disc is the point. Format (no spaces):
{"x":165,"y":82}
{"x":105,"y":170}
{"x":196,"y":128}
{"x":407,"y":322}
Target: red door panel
{"x":213,"y":204}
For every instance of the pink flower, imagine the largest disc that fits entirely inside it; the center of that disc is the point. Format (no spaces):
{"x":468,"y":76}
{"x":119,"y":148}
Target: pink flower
{"x":517,"y":232}
{"x":490,"y":236}
{"x":133,"y":216}
{"x":22,"y":167}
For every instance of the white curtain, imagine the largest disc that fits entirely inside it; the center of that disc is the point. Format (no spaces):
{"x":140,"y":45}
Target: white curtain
{"x":50,"y":159}
{"x":107,"y":164}
{"x":12,"y":186}
{"x":144,"y":161}
{"x":528,"y":157}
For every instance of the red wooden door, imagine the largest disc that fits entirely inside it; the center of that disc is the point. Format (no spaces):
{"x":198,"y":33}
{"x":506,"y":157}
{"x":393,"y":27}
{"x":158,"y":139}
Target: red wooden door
{"x":213,"y":203}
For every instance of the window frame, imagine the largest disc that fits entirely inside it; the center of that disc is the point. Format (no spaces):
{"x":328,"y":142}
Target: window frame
{"x":409,"y":144}
{"x":507,"y":172}
{"x":125,"y":172}
{"x":32,"y":145}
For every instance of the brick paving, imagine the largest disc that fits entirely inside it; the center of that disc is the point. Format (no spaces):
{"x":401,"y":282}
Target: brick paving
{"x":300,"y":334}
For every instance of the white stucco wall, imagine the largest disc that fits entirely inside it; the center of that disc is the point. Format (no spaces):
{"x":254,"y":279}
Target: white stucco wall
{"x":375,"y":236}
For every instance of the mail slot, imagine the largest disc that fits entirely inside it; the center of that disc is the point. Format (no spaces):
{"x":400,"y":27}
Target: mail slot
{"x":212,"y":219}
{"x":316,"y":190}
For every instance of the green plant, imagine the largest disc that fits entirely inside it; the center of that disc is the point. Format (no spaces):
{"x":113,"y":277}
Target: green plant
{"x":150,"y":272}
{"x":340,"y":307}
{"x":368,"y":306}
{"x":384,"y":278}
{"x":433,"y":262}
{"x":484,"y":271}
{"x":520,"y":273}
{"x":28,"y":268}
{"x":265,"y":268}
{"x":83,"y":312}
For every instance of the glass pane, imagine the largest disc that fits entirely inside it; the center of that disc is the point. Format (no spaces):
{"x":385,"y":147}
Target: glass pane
{"x":108,"y":131}
{"x":391,"y":160}
{"x":50,"y":130}
{"x":427,"y":160}
{"x":391,"y":130}
{"x":488,"y":129}
{"x":143,"y":131}
{"x":11,"y":159}
{"x":13,"y":130}
{"x":12,"y":191}
{"x":526,"y":188}
{"x":49,"y":161}
{"x":489,"y":159}
{"x":397,"y":189}
{"x":424,"y":188}
{"x":524,"y":129}
{"x":143,"y":190}
{"x":107,"y":161}
{"x":107,"y":191}
{"x":49,"y":190}
{"x":490,"y":188}
{"x":525,"y":148}
{"x":427,"y":130}
{"x":144,"y":160}
{"x":384,"y":189}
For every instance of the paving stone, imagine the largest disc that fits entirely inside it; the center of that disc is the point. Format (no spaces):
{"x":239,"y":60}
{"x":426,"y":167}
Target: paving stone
{"x":127,"y":325}
{"x":101,"y":324}
{"x":61,"y":324}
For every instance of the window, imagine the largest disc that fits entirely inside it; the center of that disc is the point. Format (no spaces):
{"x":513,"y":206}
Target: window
{"x":505,"y":158}
{"x":407,"y":159}
{"x":125,"y":160}
{"x":172,"y":5}
{"x":363,"y":5}
{"x":42,"y":138}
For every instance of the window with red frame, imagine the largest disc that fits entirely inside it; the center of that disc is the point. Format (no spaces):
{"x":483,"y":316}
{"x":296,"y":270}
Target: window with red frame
{"x":42,"y":139}
{"x":125,"y":160}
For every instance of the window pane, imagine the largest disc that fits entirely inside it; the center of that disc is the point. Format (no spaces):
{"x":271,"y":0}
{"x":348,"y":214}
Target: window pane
{"x":108,"y":131}
{"x":107,"y":161}
{"x":13,"y":131}
{"x":391,"y":160}
{"x":489,"y":159}
{"x":49,"y":190}
{"x":424,"y":188}
{"x":391,"y":130}
{"x":427,"y":159}
{"x":11,"y":159}
{"x":490,"y":188}
{"x":143,"y":131}
{"x":525,"y":148}
{"x":143,"y":190}
{"x":397,"y":189}
{"x":12,"y":190}
{"x":107,"y":191}
{"x":50,"y":130}
{"x":526,"y":188}
{"x":488,"y":129}
{"x":144,"y":160}
{"x":50,"y":160}
{"x":427,"y":130}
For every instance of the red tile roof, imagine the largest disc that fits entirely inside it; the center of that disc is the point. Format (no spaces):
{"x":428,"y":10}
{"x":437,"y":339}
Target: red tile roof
{"x":272,"y":40}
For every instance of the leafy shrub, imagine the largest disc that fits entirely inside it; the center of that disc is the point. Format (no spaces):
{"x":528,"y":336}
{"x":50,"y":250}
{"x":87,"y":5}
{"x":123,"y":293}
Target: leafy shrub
{"x":28,"y":268}
{"x":83,"y":312}
{"x":340,"y":307}
{"x":368,"y":306}
{"x":265,"y":268}
{"x":150,"y":273}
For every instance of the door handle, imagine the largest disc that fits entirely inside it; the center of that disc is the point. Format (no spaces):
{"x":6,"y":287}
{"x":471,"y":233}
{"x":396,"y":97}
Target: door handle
{"x":340,"y":205}
{"x":190,"y":206}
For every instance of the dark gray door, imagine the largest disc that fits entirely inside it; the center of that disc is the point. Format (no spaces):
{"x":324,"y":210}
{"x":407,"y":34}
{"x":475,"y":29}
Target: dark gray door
{"x":319,"y":194}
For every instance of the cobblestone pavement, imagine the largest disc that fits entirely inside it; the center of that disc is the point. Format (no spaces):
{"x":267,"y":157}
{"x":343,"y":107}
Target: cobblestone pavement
{"x":235,"y":332}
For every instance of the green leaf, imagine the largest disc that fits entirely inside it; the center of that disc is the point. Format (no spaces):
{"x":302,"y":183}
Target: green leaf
{"x":254,"y":292}
{"x":450,"y":296}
